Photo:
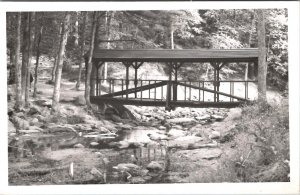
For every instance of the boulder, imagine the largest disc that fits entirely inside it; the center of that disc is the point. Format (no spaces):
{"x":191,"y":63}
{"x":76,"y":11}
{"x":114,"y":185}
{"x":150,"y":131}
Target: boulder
{"x":174,"y":133}
{"x":41,"y":102}
{"x":175,"y":177}
{"x":214,"y":135}
{"x":137,"y":180}
{"x":184,"y":142}
{"x":203,"y":117}
{"x":99,"y":154}
{"x":20,"y":123}
{"x":234,"y":114}
{"x":198,"y":154}
{"x":34,"y":110}
{"x":122,"y":144}
{"x":36,"y":128}
{"x":125,"y":127}
{"x":181,"y":120}
{"x":102,"y":137}
{"x":102,"y":129}
{"x":34,"y":121}
{"x":132,"y":169}
{"x":217,"y":117}
{"x":29,"y":131}
{"x":198,"y":145}
{"x":96,"y":173}
{"x":61,"y":128}
{"x":78,"y":146}
{"x":162,"y":128}
{"x":80,"y":100}
{"x":178,"y":127}
{"x":11,"y":127}
{"x":115,"y":118}
{"x":94,"y":144}
{"x":227,"y":136}
{"x":154,"y":166}
{"x":83,"y":127}
{"x":19,"y":114}
{"x":157,"y":137}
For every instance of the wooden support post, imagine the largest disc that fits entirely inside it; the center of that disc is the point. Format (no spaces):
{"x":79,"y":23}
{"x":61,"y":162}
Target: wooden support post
{"x":97,"y":81}
{"x":135,"y":80}
{"x":203,"y":91}
{"x":168,"y":98}
{"x":136,"y":66}
{"x":122,"y":83}
{"x":199,"y":92}
{"x":215,"y":86}
{"x":127,"y":64}
{"x":141,"y":90}
{"x":155,"y":91}
{"x":175,"y":67}
{"x":93,"y":80}
{"x":149,"y":82}
{"x":218,"y":83}
{"x":127,"y":80}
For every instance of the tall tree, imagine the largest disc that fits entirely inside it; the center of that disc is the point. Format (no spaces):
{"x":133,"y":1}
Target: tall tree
{"x":62,"y":45}
{"x":82,"y":49}
{"x":18,"y":71}
{"x":25,"y":53}
{"x":108,"y":18}
{"x":262,"y":66}
{"x":55,"y":64}
{"x":31,"y":36}
{"x":38,"y":52}
{"x":89,"y":67}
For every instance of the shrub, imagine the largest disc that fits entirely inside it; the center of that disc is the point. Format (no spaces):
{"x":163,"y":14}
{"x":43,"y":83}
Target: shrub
{"x":266,"y":147}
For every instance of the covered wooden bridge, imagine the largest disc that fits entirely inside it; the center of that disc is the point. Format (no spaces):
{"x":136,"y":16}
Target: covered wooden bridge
{"x":170,"y":92}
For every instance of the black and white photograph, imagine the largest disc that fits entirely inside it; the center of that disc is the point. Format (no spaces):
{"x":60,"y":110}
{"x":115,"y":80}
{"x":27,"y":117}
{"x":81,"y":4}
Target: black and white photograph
{"x":148,"y":96}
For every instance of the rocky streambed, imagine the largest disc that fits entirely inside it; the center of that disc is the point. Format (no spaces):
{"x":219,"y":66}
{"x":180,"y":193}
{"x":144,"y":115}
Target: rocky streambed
{"x":159,"y":147}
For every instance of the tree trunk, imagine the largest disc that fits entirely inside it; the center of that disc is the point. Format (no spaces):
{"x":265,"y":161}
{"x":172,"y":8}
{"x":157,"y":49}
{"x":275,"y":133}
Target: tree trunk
{"x":56,"y":59}
{"x":89,"y":67}
{"x":30,"y":47}
{"x":76,"y":30}
{"x":82,"y":50}
{"x":107,"y":23}
{"x":54,"y":69}
{"x":37,"y":61}
{"x":25,"y":50}
{"x":62,"y":44}
{"x":262,"y":66}
{"x":18,"y":71}
{"x":249,"y":73}
{"x":172,"y":36}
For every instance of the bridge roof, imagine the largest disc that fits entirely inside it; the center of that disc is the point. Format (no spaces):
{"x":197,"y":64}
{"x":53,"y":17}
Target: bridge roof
{"x":178,"y":55}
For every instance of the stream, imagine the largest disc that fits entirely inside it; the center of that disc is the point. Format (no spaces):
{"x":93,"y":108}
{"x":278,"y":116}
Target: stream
{"x":140,"y":154}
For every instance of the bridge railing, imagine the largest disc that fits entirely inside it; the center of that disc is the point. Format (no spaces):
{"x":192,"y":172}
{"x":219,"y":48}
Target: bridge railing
{"x":156,"y":90}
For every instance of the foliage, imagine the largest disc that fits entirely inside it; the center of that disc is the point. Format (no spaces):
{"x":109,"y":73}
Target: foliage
{"x":266,"y":148}
{"x":230,"y":28}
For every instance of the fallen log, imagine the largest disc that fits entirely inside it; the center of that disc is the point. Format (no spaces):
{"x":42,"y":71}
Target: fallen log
{"x":40,"y":171}
{"x":87,"y":181}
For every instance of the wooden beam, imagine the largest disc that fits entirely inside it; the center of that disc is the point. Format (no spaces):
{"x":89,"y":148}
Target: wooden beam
{"x":138,"y":102}
{"x":127,"y":65}
{"x":175,"y":84}
{"x":136,"y":66}
{"x":138,"y":89}
{"x":168,"y":98}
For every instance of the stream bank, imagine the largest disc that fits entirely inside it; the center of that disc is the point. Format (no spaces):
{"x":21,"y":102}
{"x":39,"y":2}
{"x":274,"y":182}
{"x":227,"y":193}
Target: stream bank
{"x":180,"y":146}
